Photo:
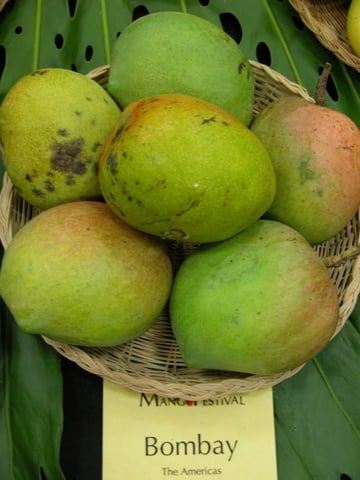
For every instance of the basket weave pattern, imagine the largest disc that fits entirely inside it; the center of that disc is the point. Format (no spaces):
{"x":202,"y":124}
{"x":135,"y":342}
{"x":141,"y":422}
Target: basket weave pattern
{"x":327,"y":20}
{"x":152,"y":363}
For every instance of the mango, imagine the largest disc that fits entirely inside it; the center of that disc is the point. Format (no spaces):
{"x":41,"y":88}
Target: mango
{"x":176,"y":52}
{"x":353,"y":26}
{"x":261,"y":302}
{"x":77,"y":274}
{"x":315,"y":151}
{"x":53,"y":124}
{"x":183,"y":169}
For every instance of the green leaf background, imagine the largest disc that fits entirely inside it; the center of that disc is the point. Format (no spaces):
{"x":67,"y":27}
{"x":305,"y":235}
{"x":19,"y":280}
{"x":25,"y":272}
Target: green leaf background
{"x":317,"y":412}
{"x":31,"y":416}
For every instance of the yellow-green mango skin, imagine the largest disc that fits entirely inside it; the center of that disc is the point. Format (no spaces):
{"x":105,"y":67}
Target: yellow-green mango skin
{"x":315,"y":151}
{"x":77,"y":274}
{"x":261,"y":302}
{"x":53,"y":124}
{"x":353,"y":26}
{"x":176,"y":52}
{"x":183,"y":169}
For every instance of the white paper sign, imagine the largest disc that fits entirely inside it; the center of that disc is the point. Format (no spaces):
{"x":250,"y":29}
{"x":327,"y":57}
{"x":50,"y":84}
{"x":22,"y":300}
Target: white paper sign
{"x":147,"y":436}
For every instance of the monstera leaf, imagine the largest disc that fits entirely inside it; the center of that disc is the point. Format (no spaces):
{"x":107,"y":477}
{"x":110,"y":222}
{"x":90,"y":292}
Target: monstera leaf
{"x":79,"y":34}
{"x":317,"y":415}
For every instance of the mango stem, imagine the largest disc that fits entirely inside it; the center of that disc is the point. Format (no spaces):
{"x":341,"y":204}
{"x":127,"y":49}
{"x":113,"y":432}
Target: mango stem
{"x":321,"y":84}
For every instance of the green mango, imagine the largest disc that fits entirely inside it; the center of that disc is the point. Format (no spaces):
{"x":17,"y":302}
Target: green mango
{"x":183,"y":169}
{"x":53,"y":125}
{"x":176,"y":52}
{"x":261,"y":302}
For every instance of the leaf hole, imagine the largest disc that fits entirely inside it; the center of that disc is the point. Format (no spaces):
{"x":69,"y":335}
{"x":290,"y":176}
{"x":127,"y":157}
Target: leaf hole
{"x":231,"y":26}
{"x":59,"y":41}
{"x":331,"y":87}
{"x":72,"y":7}
{"x":343,"y":476}
{"x":18,"y":29}
{"x":139,"y":11}
{"x":42,"y":474}
{"x":263,"y":53}
{"x":89,"y":53}
{"x":299,"y":24}
{"x":204,"y":3}
{"x":73,"y":67}
{"x":2,"y":59}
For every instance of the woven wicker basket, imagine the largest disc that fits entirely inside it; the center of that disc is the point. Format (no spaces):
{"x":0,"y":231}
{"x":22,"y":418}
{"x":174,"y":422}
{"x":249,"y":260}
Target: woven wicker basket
{"x":327,"y":20}
{"x":152,"y":363}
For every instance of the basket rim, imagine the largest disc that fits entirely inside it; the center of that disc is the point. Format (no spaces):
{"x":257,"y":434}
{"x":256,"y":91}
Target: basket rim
{"x":276,"y":76}
{"x":325,"y":30}
{"x":195,"y":391}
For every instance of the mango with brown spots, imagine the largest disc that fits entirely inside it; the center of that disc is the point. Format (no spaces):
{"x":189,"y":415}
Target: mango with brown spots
{"x":184,"y":169}
{"x":78,"y":274}
{"x":53,"y":124}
